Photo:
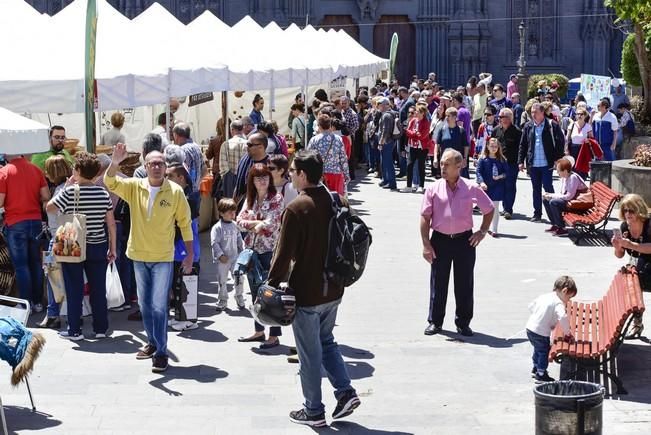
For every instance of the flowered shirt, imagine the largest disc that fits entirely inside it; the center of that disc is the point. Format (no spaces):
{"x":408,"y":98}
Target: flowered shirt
{"x":332,"y":151}
{"x":270,"y":212}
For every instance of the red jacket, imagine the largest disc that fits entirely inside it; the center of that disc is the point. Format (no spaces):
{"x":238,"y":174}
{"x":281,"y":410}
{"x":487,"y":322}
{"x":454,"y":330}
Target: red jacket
{"x":418,"y":133}
{"x":589,"y":149}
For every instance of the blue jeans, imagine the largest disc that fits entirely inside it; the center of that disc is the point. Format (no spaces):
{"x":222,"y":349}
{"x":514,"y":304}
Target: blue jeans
{"x":510,"y":189}
{"x":374,"y":158}
{"x":541,"y":348}
{"x":316,"y":347}
{"x":73,"y":276}
{"x":25,"y":252}
{"x":540,"y":177}
{"x":53,"y":308}
{"x":554,"y":209}
{"x":388,"y":169}
{"x":153,"y":281}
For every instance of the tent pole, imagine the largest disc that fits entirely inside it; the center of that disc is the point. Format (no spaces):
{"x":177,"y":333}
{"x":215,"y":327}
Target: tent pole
{"x":305,"y":113}
{"x":168,"y":121}
{"x":272,"y":97}
{"x":227,"y":128}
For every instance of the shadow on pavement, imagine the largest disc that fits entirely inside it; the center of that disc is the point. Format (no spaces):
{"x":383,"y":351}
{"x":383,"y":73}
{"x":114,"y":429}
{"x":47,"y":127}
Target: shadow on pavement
{"x":112,"y":344}
{"x":353,"y":352}
{"x":21,"y":419}
{"x":482,"y":339}
{"x":511,"y":236}
{"x":200,"y":373}
{"x":202,"y":333}
{"x":635,"y":372}
{"x":347,"y":427}
{"x":274,"y":351}
{"x":359,"y":369}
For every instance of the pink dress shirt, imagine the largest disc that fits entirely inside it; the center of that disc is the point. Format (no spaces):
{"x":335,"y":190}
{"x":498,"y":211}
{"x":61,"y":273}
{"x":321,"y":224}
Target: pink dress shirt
{"x":451,"y":212}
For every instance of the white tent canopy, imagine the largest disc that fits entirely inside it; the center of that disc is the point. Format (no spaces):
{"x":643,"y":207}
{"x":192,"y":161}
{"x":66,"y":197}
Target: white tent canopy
{"x":143,"y":61}
{"x":20,"y":135}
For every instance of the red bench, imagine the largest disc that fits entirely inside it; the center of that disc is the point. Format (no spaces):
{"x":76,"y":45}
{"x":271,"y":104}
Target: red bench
{"x":599,"y":329}
{"x":594,"y":220}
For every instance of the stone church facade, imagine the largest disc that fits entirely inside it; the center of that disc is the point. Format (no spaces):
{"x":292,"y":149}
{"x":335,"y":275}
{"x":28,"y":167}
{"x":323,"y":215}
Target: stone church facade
{"x":454,"y":38}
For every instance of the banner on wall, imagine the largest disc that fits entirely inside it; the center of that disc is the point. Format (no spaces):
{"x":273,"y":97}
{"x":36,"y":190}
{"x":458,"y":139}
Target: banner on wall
{"x":337,"y":87}
{"x":594,"y":88}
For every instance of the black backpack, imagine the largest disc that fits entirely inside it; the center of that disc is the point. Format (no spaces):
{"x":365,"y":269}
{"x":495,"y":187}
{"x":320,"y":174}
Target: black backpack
{"x":349,"y":240}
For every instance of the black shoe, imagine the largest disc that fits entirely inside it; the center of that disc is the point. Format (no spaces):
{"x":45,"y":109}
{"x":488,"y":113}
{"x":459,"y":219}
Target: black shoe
{"x":544,"y":377}
{"x":535,"y":219}
{"x":259,"y":338}
{"x":465,"y":331}
{"x":346,"y":404}
{"x":270,"y":345}
{"x":292,"y":350}
{"x":432,"y":329}
{"x":159,"y":363}
{"x":300,"y":417}
{"x":50,"y":322}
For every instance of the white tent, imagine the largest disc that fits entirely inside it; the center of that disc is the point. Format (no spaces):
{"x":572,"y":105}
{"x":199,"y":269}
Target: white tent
{"x":20,"y":135}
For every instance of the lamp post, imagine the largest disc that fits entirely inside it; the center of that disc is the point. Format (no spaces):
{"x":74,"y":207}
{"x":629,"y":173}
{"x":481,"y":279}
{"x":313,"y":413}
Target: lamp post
{"x":523,"y":78}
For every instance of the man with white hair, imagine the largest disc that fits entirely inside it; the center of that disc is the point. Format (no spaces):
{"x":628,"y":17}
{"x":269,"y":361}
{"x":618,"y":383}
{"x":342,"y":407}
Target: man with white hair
{"x":509,"y":137}
{"x":447,"y":213}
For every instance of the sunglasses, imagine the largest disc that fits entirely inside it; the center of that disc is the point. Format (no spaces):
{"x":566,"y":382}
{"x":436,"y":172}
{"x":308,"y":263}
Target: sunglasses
{"x":272,"y":168}
{"x":488,"y":114}
{"x":627,"y":210}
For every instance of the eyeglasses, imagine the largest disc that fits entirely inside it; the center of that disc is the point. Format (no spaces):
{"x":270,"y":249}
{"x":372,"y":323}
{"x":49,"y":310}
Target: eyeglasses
{"x":627,"y":210}
{"x":156,"y":164}
{"x":488,"y":114}
{"x":59,"y":137}
{"x":502,"y":116}
{"x":272,"y":168}
{"x":253,"y":144}
{"x":495,"y":90}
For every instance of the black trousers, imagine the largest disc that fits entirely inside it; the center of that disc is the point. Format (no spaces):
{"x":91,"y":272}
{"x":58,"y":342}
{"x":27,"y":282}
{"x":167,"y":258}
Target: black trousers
{"x":451,"y":251}
{"x":416,"y":155}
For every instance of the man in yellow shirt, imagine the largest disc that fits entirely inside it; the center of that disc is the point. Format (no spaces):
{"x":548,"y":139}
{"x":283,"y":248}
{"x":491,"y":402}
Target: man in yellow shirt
{"x":57,"y":141}
{"x":156,"y":206}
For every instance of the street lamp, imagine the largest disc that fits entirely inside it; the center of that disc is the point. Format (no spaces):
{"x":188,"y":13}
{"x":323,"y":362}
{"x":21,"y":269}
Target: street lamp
{"x":523,"y":79}
{"x":522,"y":63}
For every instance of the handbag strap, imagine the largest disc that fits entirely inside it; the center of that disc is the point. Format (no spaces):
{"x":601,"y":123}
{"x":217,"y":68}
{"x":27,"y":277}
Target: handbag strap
{"x":75,"y":204}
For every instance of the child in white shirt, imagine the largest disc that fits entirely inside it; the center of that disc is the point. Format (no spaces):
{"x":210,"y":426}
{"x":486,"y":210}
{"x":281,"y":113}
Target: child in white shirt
{"x":546,"y":311}
{"x":226,"y":241}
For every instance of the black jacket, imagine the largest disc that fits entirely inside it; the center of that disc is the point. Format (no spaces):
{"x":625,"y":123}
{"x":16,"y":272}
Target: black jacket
{"x":510,"y":142}
{"x":553,"y":143}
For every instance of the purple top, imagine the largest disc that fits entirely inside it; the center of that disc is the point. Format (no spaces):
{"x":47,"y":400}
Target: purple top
{"x":463,"y":116}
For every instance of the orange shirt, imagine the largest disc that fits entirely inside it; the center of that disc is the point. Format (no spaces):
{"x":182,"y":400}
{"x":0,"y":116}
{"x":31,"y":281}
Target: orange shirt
{"x":21,"y":182}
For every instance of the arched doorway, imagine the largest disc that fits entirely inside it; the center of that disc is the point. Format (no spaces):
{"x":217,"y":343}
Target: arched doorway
{"x":406,"y":59}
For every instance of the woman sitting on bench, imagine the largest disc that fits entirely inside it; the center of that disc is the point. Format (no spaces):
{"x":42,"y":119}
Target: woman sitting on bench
{"x":556,"y":203}
{"x":635,"y":240}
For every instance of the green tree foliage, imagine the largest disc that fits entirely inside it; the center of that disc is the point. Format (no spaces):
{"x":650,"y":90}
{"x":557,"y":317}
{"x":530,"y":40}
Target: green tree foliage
{"x":630,"y":65}
{"x":562,"y":81}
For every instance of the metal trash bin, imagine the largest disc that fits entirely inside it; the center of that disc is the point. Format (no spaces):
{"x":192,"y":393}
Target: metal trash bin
{"x":569,"y":407}
{"x":600,"y":171}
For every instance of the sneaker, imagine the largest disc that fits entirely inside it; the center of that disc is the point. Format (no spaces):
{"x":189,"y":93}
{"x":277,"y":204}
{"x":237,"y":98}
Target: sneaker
{"x":408,"y":190}
{"x":383,"y":184}
{"x":507,"y":215}
{"x":72,"y":337}
{"x":172,"y":322}
{"x":535,"y":219}
{"x":50,"y":323}
{"x":185,"y":326}
{"x":123,"y":307}
{"x":346,"y":404}
{"x":551,"y":229}
{"x":37,"y":308}
{"x":420,"y":190}
{"x":300,"y":417}
{"x":544,"y":377}
{"x":414,"y":189}
{"x":533,"y":371}
{"x":221,"y":305}
{"x":147,"y":352}
{"x":159,"y":364}
{"x":100,"y":335}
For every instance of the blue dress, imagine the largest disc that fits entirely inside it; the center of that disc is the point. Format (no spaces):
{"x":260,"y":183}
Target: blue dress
{"x":485,"y":169}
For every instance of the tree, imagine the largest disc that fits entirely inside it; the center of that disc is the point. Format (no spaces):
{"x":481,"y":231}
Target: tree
{"x":630,"y":66}
{"x":638,"y":12}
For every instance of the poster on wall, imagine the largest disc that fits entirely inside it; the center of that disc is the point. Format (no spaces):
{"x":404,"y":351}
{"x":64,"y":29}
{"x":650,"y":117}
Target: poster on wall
{"x":594,"y":88}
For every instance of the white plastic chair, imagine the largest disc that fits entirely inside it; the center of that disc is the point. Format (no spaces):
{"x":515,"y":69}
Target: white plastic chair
{"x":18,"y":309}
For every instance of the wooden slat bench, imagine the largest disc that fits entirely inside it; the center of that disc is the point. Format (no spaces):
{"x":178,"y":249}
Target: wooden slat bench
{"x":594,"y":220}
{"x":599,"y":329}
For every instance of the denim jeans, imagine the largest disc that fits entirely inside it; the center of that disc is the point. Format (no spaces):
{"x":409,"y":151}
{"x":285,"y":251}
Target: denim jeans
{"x":124,"y":263}
{"x":316,"y":347}
{"x":254,"y":284}
{"x":73,"y":276}
{"x":510,"y":189}
{"x":541,"y":348}
{"x":388,"y":169}
{"x":554,"y":208}
{"x":540,"y":177}
{"x":416,"y":167}
{"x":374,"y":158}
{"x":153,"y":281}
{"x":53,"y":308}
{"x":25,"y":252}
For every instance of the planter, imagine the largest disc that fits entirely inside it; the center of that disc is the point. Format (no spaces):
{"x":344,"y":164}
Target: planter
{"x":627,"y":178}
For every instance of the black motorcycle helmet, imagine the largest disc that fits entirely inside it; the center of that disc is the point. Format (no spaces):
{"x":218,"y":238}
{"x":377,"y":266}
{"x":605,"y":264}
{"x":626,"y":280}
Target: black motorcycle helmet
{"x":274,"y":306}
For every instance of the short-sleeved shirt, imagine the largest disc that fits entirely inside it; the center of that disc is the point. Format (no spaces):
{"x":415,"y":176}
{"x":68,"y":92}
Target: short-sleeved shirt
{"x":94,"y":202}
{"x":40,"y":158}
{"x":21,"y":182}
{"x":451,"y":211}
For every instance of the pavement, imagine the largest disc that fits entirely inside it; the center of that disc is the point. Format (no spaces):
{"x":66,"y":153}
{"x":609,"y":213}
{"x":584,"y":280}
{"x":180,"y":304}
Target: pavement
{"x":408,"y":383}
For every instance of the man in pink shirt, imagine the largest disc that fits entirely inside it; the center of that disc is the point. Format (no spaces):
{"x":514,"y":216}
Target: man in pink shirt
{"x":512,"y":86}
{"x":447,"y":211}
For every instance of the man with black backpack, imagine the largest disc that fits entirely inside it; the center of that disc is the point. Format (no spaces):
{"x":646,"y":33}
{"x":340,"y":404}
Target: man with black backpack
{"x":304,"y":239}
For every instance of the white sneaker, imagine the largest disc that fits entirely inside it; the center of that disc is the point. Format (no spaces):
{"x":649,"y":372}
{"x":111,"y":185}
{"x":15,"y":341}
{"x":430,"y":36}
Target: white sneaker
{"x":98,"y":336}
{"x":75,"y":337}
{"x":421,"y":190}
{"x":185,"y":326}
{"x":407,"y":189}
{"x":414,"y":189}
{"x":173,"y":322}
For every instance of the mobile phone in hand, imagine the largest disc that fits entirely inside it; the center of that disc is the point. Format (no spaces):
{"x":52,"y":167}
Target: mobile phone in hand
{"x":617,"y":233}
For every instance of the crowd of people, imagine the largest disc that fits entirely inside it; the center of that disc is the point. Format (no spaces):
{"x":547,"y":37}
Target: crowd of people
{"x":271,"y":203}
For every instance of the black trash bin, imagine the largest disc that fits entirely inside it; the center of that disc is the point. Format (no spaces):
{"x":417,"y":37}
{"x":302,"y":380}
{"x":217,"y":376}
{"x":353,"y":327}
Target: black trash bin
{"x":600,"y":171}
{"x":568,"y":408}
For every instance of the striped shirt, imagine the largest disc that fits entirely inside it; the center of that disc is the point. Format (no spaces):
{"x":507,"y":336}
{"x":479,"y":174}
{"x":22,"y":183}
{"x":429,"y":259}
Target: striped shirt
{"x":94,"y":202}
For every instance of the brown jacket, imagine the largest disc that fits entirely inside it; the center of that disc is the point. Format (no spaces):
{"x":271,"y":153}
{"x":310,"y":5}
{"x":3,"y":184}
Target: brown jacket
{"x":212,"y":152}
{"x":304,"y":239}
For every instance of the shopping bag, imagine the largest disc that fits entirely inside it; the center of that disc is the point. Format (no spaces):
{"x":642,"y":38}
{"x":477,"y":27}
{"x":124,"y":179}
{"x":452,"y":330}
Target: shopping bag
{"x":54,"y":275}
{"x":114,"y":294}
{"x":70,"y":238}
